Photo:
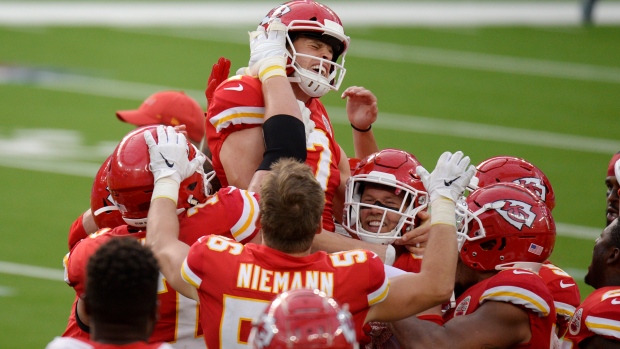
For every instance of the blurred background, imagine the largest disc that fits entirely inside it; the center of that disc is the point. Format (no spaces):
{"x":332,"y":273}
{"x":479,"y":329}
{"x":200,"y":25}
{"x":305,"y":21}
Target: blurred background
{"x":530,"y":79}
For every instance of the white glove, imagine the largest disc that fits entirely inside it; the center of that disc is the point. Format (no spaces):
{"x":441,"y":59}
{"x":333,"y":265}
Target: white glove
{"x":449,"y":178}
{"x":268,"y":53}
{"x":169,"y":155}
{"x":305,"y":117}
{"x":617,"y":170}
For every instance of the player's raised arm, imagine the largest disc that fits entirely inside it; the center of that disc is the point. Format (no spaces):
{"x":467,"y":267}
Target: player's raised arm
{"x":170,"y":166}
{"x":413,"y":293}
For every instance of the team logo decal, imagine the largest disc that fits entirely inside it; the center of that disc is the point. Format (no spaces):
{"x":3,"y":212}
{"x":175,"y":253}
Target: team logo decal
{"x":534,"y":184}
{"x":516,"y":212}
{"x":461,"y":309}
{"x":276,"y":13}
{"x":575,"y":322}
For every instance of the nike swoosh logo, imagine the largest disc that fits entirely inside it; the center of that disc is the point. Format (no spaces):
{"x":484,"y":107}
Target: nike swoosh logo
{"x":168,"y":163}
{"x":238,"y":88}
{"x":449,"y":183}
{"x":615,"y":301}
{"x":563,"y":285}
{"x":517,"y":271}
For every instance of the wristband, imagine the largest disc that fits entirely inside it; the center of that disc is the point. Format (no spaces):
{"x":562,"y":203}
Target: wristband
{"x":443,"y":211}
{"x":270,"y":67}
{"x":166,"y":188}
{"x":360,"y":130}
{"x":390,"y":255}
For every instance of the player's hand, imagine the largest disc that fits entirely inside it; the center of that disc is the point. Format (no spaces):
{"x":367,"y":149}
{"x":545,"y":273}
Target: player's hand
{"x":617,"y":170}
{"x":169,"y":155}
{"x":268,"y":51}
{"x":362,"y":107}
{"x":416,"y":239}
{"x":219,"y":73}
{"x":449,"y":178}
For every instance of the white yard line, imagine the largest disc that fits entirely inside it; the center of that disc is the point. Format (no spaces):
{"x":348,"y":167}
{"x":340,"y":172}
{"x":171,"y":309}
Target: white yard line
{"x":351,"y":13}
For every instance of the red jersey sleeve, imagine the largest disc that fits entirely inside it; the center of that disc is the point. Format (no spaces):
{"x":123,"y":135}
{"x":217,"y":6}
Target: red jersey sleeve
{"x":231,"y":212}
{"x":237,"y":104}
{"x":520,"y":287}
{"x":76,"y":232}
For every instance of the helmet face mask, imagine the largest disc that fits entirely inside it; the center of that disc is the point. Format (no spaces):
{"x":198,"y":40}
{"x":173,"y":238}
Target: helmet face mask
{"x":502,"y":226}
{"x":103,"y":208}
{"x":315,"y":20}
{"x":391,"y":171}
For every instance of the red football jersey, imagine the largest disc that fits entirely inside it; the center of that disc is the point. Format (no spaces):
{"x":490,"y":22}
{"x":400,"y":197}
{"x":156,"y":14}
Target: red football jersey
{"x":230,"y":212}
{"x":238,"y":104}
{"x":598,"y":315}
{"x":178,"y":321}
{"x":236,"y":213}
{"x":76,"y":343}
{"x":235,"y":282}
{"x":566,"y":296}
{"x":76,"y":232}
{"x":409,"y":262}
{"x":521,"y":288}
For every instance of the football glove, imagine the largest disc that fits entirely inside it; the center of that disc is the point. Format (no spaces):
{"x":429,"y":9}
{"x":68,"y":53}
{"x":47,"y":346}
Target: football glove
{"x":219,"y":73}
{"x":169,"y":155}
{"x":268,"y":53}
{"x":449,"y":178}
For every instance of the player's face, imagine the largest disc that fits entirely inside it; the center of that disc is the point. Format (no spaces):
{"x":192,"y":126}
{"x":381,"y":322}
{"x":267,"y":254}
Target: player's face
{"x":612,"y":198}
{"x":380,"y":197}
{"x":597,"y":267}
{"x":313,"y":47}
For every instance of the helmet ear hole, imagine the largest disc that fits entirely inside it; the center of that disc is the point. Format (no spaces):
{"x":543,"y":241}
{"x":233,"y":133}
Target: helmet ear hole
{"x":488,"y":245}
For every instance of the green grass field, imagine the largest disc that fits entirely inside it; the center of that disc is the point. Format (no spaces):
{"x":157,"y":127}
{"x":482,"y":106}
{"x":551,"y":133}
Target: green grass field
{"x":548,"y":94}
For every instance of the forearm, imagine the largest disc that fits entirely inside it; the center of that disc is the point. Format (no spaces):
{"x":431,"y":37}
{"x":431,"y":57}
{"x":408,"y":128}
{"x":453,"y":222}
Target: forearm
{"x":279,"y":98}
{"x":333,"y":242}
{"x":441,"y":254}
{"x":364,"y":143}
{"x":162,"y":237}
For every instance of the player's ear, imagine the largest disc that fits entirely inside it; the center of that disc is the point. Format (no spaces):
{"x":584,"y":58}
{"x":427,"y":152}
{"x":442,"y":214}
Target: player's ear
{"x":614,"y":256}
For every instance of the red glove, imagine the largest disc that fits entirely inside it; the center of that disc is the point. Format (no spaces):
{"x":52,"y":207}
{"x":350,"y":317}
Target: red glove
{"x":219,"y":73}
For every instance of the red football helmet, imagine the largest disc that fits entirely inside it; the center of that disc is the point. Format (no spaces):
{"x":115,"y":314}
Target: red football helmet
{"x":303,"y":319}
{"x":511,"y":169}
{"x":131,"y":182}
{"x":391,"y":168}
{"x":313,"y":19}
{"x":102,"y":206}
{"x":504,"y":225}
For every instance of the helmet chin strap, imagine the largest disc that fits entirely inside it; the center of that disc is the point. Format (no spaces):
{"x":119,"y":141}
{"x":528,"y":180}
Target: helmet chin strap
{"x":105,"y":209}
{"x":531,"y":266}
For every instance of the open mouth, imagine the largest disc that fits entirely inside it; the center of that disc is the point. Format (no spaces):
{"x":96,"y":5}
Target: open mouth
{"x":320,"y":71}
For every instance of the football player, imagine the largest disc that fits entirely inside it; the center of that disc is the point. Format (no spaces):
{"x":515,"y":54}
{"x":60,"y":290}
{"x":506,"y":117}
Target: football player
{"x":506,"y":233}
{"x":316,"y":46}
{"x":596,"y":321}
{"x":566,"y":296}
{"x":130,"y":186}
{"x":303,"y":318}
{"x":122,"y":298}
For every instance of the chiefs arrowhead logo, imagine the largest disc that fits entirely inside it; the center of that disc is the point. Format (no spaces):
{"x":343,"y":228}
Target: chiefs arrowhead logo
{"x":516,"y":212}
{"x":461,"y":309}
{"x":276,"y":13}
{"x":534,"y":184}
{"x":575,"y":323}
